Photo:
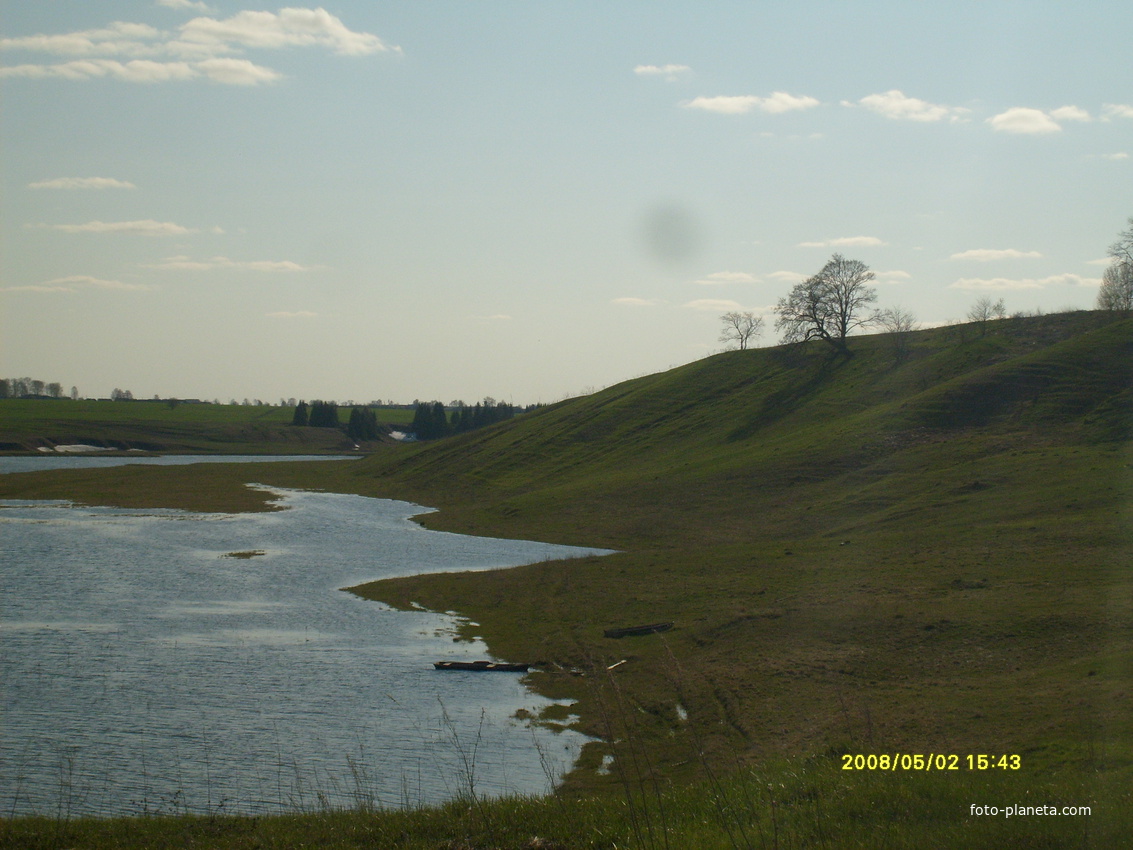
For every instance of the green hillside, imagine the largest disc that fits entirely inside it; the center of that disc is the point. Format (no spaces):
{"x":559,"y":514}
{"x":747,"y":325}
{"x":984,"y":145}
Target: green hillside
{"x":893,"y":553}
{"x":873,"y":554}
{"x":762,"y":436}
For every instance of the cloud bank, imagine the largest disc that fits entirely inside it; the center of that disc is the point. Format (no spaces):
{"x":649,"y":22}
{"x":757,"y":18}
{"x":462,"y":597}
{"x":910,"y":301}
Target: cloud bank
{"x":669,"y":72}
{"x":145,"y":227}
{"x":846,"y":242}
{"x":202,"y":48}
{"x":183,"y":263}
{"x":1003,"y":283}
{"x":897,"y":106}
{"x":777,"y":103}
{"x":719,"y":278}
{"x":713,"y":304}
{"x":82,"y":183}
{"x":985,"y":255}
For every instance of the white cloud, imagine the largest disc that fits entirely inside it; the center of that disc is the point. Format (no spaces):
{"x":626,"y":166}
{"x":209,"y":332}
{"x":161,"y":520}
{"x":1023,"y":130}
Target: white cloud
{"x":1116,"y":110}
{"x":134,"y":71}
{"x":669,"y":72}
{"x":724,"y":104}
{"x":289,"y":314}
{"x":718,"y":278}
{"x":37,"y":287}
{"x":82,"y":183}
{"x":1020,"y":119}
{"x":201,"y":47}
{"x":714,"y":304}
{"x":289,"y":28}
{"x":783,"y":102}
{"x":99,"y":283}
{"x":119,"y":38}
{"x":634,"y":302}
{"x":1115,"y":157}
{"x":195,"y":5}
{"x":778,"y":102}
{"x":1003,"y":283}
{"x":986,"y":255}
{"x":74,"y":283}
{"x":894,"y":277}
{"x":147,"y":227}
{"x":1070,"y":113}
{"x":846,"y":242}
{"x":896,"y":105}
{"x":237,"y":72}
{"x":788,"y":277}
{"x":183,"y":263}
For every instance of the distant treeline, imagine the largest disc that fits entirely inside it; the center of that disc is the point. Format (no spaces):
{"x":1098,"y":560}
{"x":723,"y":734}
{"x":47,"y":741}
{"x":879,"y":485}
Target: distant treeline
{"x":431,"y":420}
{"x":32,"y":388}
{"x":363,"y":423}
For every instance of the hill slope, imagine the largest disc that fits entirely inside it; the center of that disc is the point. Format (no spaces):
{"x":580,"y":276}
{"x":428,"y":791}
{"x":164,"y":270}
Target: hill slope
{"x":722,"y":435}
{"x":865,"y":554}
{"x":921,"y":554}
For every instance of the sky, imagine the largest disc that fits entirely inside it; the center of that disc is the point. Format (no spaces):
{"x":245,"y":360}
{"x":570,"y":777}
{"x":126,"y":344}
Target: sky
{"x":529,"y":200}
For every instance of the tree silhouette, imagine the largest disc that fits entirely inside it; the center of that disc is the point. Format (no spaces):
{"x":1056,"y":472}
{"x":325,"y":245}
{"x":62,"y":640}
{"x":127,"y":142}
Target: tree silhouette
{"x":829,"y":305}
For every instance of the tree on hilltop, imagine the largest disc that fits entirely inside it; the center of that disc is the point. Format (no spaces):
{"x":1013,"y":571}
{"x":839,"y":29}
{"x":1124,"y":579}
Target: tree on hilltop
{"x":1116,"y":292}
{"x":740,"y":328}
{"x":984,"y":310}
{"x":899,"y":323}
{"x":1121,"y":251}
{"x":828,"y":306}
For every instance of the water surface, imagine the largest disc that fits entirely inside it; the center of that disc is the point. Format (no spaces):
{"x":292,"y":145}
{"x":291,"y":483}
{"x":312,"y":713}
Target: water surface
{"x":43,"y":462}
{"x":165,"y":660}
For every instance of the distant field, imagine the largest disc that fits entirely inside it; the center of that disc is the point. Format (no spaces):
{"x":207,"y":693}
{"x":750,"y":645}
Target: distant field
{"x":27,"y":424}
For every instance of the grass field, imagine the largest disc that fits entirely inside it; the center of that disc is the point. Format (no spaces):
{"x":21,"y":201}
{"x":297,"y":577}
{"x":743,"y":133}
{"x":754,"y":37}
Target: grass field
{"x":921,"y":554}
{"x":27,"y":424}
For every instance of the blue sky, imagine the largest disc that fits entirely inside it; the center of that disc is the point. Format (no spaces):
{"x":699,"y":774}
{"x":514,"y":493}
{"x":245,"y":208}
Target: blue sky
{"x":450,"y":200}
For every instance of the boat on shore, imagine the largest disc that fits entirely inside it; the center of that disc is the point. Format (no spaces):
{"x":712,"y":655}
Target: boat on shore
{"x":633,"y":631}
{"x":482,"y":666}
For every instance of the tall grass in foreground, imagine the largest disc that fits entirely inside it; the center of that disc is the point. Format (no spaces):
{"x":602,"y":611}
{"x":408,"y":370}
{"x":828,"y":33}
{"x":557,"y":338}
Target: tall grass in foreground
{"x":785,"y":805}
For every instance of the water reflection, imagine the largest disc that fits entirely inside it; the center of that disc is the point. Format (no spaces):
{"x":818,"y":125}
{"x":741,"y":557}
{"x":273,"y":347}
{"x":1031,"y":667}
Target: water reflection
{"x":146,"y":669}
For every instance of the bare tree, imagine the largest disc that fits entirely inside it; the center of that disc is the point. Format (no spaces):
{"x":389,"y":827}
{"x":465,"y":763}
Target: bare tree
{"x":741,"y":328}
{"x":898,"y":322}
{"x":1122,"y":250}
{"x":1116,"y":292}
{"x":829,"y":305}
{"x":984,"y":310}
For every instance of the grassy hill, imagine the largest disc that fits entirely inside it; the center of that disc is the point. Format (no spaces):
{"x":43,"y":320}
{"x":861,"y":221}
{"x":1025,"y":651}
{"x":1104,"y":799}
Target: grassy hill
{"x":867,"y":554}
{"x":924,"y":552}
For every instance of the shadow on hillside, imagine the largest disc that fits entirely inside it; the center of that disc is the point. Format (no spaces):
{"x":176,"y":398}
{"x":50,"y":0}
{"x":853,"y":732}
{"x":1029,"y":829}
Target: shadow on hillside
{"x":824,"y":368}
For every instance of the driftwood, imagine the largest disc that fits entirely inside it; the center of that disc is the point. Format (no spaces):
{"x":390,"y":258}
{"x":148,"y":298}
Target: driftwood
{"x":482,"y":666}
{"x":632,"y":631}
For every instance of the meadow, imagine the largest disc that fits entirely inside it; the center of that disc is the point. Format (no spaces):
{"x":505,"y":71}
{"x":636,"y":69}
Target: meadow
{"x":159,"y":426}
{"x":919,"y":550}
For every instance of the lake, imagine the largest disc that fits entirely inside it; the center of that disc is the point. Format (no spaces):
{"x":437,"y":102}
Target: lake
{"x":167,"y":661}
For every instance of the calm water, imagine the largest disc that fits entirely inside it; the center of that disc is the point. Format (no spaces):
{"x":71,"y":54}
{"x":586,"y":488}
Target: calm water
{"x":146,"y":669}
{"x":38,"y":463}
